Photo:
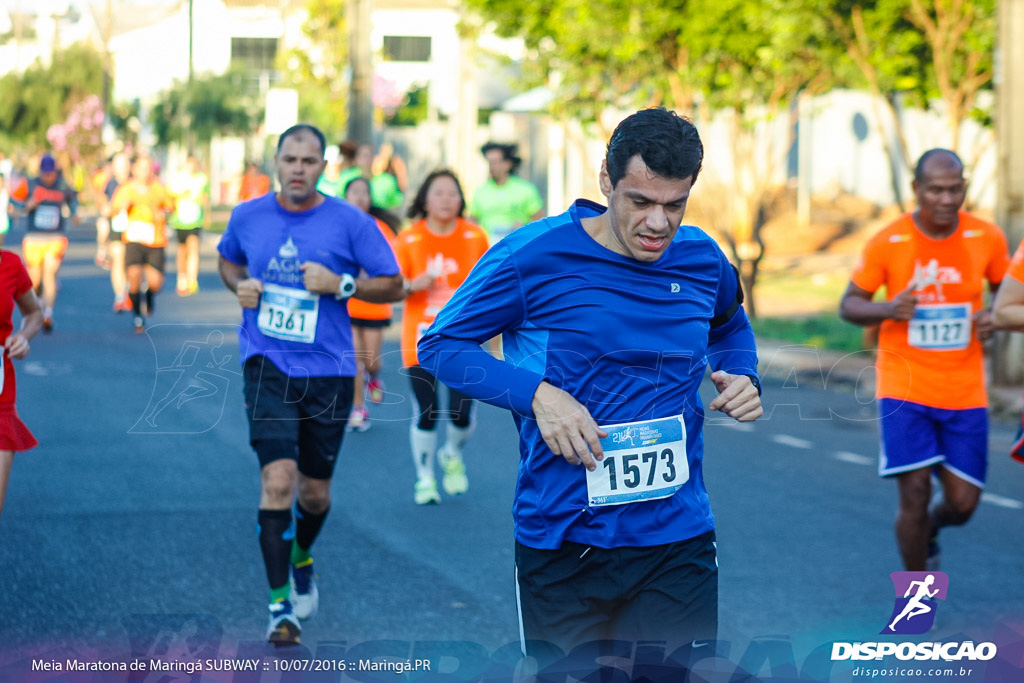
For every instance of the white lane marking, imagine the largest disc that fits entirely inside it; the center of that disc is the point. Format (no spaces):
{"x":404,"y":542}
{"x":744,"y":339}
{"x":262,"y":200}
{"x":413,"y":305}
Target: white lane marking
{"x":739,"y":426}
{"x":1002,"y":501}
{"x":854,"y":458}
{"x":792,"y":441}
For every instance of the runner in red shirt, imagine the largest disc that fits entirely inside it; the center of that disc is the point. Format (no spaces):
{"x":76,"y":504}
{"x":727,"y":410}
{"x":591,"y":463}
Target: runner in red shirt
{"x":15,"y":289}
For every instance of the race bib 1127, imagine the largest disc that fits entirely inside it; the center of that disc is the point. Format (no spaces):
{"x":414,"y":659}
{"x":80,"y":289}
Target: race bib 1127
{"x":940,"y":327}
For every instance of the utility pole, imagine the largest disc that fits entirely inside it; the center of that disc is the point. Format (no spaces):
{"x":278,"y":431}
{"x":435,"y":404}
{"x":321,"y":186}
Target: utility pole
{"x":467,"y":111}
{"x":186,"y":105}
{"x":360,"y":101}
{"x":106,"y":33}
{"x":191,"y":40}
{"x":17,"y":17}
{"x":1008,"y":360}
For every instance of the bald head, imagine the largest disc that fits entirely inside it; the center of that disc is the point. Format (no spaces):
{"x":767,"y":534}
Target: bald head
{"x":940,"y":189}
{"x":935,"y":160}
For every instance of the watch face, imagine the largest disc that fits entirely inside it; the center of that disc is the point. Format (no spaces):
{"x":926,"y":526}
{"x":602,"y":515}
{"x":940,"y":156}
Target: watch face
{"x":347,"y":286}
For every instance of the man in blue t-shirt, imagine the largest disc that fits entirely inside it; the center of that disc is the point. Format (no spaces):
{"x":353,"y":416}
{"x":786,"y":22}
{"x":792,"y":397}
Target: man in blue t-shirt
{"x":294,"y":258}
{"x":609,"y":318}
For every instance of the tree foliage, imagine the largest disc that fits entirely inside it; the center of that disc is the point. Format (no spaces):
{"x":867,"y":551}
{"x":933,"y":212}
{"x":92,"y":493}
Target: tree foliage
{"x":319,"y":68}
{"x":934,"y":54}
{"x":126,"y":120}
{"x":211,"y":105}
{"x":744,"y":58}
{"x":413,"y":109}
{"x":44,"y":95}
{"x":745,"y":61}
{"x":78,"y":138}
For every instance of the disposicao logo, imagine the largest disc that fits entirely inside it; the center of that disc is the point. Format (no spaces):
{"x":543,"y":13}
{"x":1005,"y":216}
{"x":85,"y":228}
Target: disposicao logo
{"x":916,"y":596}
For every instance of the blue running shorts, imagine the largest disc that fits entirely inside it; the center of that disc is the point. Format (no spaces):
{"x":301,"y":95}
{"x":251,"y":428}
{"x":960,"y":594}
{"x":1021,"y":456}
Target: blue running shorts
{"x":915,"y":436}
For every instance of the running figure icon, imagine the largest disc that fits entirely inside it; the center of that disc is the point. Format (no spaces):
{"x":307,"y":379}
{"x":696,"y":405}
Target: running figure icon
{"x":916,"y":606}
{"x":191,"y":383}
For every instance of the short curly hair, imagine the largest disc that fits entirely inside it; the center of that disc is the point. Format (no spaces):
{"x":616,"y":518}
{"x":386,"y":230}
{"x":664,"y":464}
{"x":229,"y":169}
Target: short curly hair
{"x":667,"y":142}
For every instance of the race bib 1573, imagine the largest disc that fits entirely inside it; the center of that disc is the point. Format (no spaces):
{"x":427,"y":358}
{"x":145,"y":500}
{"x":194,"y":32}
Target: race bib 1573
{"x":642,"y":461}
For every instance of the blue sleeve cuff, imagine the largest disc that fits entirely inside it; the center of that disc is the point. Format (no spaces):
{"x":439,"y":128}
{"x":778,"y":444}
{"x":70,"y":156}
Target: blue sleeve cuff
{"x":468,"y":368}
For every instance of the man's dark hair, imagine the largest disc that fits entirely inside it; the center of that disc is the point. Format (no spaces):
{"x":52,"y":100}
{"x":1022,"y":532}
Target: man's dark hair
{"x":666,"y":142}
{"x":938,"y":151}
{"x":347,"y":149}
{"x":418,"y":209}
{"x":509,"y":152}
{"x":303,"y":128}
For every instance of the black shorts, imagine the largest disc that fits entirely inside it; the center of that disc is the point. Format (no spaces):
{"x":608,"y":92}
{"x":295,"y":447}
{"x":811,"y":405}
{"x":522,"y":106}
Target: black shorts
{"x":184,"y":233}
{"x":299,"y":418}
{"x":371,"y":324}
{"x":579,"y":594}
{"x":136,"y":254}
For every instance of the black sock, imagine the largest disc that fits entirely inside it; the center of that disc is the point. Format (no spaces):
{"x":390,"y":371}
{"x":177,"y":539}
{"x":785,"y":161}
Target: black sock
{"x":150,"y":296}
{"x":276,"y":543}
{"x":307,"y":526}
{"x":136,"y":303}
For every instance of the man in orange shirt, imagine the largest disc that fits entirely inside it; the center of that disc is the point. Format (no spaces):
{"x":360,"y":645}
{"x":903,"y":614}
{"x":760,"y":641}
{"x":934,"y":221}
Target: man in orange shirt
{"x":254,"y":183}
{"x":931,"y":377}
{"x":147,"y":203}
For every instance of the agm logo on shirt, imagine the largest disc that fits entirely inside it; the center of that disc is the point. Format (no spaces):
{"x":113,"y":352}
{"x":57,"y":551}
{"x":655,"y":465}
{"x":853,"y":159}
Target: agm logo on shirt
{"x":285,"y":268}
{"x":288,"y":249}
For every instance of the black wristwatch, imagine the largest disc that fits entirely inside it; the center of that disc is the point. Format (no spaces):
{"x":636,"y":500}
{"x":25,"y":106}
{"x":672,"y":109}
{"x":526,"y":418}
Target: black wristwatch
{"x":756,"y":382}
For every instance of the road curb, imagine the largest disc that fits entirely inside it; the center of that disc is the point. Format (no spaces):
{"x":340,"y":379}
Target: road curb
{"x":841,"y":370}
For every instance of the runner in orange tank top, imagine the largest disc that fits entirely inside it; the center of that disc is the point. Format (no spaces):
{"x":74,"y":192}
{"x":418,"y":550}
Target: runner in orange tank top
{"x":931,"y":393}
{"x":368,"y":320}
{"x":435,"y":255}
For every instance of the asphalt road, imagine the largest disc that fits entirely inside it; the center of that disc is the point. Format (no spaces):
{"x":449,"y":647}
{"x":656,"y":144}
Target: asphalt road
{"x":129,"y":533}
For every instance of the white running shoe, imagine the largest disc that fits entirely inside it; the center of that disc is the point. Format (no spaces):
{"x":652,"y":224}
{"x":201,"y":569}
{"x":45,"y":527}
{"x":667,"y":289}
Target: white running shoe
{"x":305,"y":596}
{"x":283,"y":628}
{"x":454,"y":480}
{"x":426,"y":492}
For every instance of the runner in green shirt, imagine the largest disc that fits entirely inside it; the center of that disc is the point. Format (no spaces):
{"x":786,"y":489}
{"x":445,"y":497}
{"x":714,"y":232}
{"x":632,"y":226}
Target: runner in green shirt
{"x":506,"y":201}
{"x":191,"y":190}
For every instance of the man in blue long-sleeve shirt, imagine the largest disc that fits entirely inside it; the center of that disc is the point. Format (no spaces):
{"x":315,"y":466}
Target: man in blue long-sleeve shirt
{"x":610,"y":317}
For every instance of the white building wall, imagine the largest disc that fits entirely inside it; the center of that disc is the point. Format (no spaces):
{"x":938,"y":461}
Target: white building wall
{"x":150,"y":59}
{"x":840,"y":162}
{"x":441,"y":72}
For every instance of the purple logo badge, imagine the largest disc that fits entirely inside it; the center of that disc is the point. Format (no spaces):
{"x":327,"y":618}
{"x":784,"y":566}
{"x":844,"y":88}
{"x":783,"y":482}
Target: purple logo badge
{"x":916,"y":595}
